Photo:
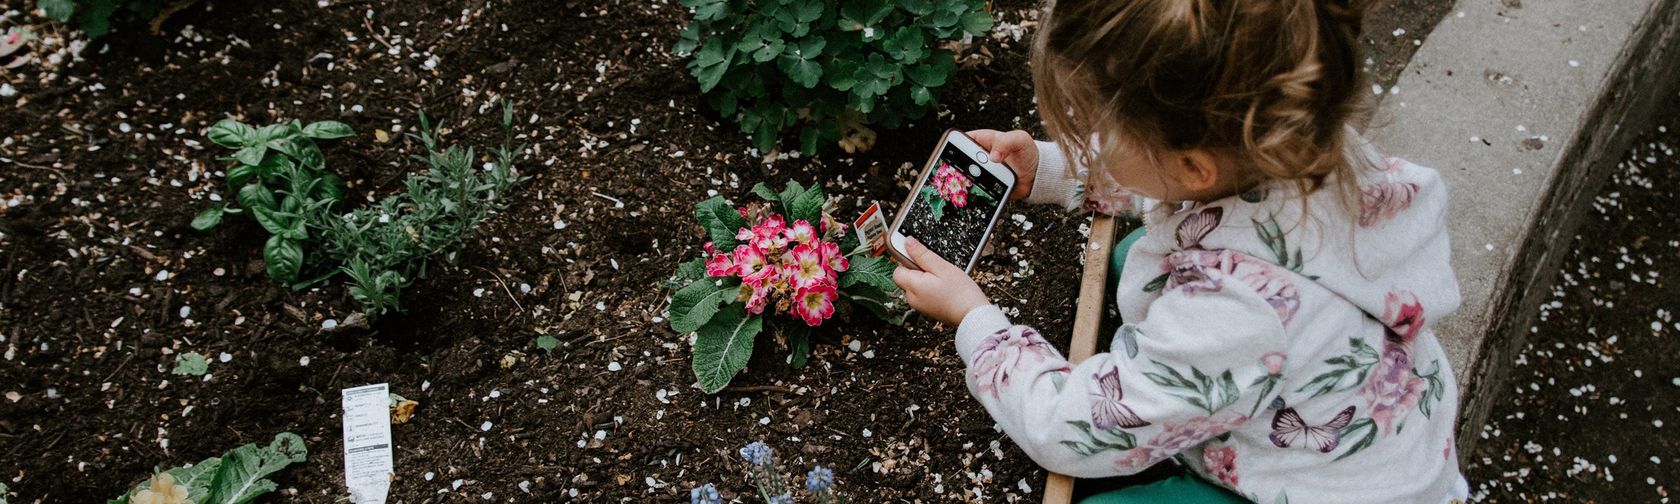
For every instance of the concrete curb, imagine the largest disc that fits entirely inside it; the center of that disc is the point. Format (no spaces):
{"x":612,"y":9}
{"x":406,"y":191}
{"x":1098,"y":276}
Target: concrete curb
{"x":1525,"y":111}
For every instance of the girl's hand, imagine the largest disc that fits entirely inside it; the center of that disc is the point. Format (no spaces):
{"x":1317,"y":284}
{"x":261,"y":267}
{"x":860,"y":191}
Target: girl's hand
{"x":1015,"y":149}
{"x":941,"y":290}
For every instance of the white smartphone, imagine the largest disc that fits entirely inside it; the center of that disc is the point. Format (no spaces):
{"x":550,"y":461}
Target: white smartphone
{"x":954,"y":204}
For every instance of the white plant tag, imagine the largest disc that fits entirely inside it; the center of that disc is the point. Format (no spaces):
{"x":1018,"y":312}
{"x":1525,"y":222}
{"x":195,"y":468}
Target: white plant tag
{"x":367,"y":443}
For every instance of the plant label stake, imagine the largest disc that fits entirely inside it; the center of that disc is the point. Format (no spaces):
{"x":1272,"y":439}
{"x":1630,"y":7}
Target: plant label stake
{"x":367,"y":443}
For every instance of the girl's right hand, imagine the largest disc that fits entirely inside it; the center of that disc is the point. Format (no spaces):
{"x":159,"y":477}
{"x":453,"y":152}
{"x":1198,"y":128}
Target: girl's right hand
{"x":1016,"y":149}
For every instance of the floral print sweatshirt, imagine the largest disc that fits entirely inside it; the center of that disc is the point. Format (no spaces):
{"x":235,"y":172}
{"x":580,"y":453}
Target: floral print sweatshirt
{"x":1288,"y":359}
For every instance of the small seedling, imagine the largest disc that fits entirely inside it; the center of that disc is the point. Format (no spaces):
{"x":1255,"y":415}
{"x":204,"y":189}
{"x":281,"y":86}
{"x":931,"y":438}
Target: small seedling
{"x":191,"y":363}
{"x":547,"y":343}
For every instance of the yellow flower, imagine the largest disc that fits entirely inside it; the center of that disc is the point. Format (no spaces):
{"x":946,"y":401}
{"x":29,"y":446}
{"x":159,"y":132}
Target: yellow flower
{"x":163,"y":490}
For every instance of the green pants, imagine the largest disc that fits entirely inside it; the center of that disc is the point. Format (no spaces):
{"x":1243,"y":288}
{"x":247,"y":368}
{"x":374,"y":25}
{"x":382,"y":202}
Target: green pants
{"x":1178,"y":487}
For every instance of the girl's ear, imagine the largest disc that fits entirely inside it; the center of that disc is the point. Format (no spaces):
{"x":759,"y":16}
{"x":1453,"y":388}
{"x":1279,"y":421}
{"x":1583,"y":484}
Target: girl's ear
{"x":1197,"y":170}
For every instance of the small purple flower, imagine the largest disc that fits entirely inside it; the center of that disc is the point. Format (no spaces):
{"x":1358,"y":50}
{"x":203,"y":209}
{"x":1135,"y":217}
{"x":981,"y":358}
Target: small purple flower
{"x":784,"y":498}
{"x":819,"y":479}
{"x":705,"y":495}
{"x":757,"y":453}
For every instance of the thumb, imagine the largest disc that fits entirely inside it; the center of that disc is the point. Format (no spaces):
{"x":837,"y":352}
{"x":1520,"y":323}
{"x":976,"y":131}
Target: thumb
{"x":929,"y":261}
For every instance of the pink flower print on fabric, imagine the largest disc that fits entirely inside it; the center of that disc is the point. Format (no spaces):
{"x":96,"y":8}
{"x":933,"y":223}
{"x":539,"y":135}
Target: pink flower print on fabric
{"x":1000,"y":354}
{"x":1106,"y":410}
{"x":1403,"y":313}
{"x":1381,"y":201}
{"x":1177,"y":437}
{"x":1393,"y":389}
{"x":1274,"y":362}
{"x":1221,"y":462}
{"x":1190,"y":270}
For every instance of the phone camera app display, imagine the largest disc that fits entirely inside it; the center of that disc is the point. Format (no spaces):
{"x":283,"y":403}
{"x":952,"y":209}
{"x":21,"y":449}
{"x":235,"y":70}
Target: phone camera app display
{"x":952,"y":210}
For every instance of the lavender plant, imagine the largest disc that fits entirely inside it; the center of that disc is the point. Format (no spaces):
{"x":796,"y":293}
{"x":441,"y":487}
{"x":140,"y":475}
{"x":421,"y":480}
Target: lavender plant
{"x":773,"y":482}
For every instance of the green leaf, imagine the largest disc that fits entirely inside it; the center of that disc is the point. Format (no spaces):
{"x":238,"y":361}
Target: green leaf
{"x":804,"y":72}
{"x":917,"y":7}
{"x":547,"y":343}
{"x":231,"y":134}
{"x":921,"y":96}
{"x":976,"y":23}
{"x":275,"y":222}
{"x":706,"y":10}
{"x":327,"y":130}
{"x":711,"y":63}
{"x":691,"y":270}
{"x":906,"y":45}
{"x":210,"y":217}
{"x":806,"y":11}
{"x":858,"y":14}
{"x":284,"y":258}
{"x":191,"y":363}
{"x":799,"y":346}
{"x":933,"y":72}
{"x":720,"y":220}
{"x":59,"y":10}
{"x":240,"y":478}
{"x":197,"y":477}
{"x":877,"y":272}
{"x":889,"y":308}
{"x":687,"y":40}
{"x":251,"y":155}
{"x":791,"y":191}
{"x":764,"y":191}
{"x":723,"y":346}
{"x":241,"y":175}
{"x":695,"y":304}
{"x":807,"y":206}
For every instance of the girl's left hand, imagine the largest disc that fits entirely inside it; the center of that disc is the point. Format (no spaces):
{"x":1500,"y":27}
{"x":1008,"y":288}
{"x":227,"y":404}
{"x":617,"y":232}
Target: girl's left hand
{"x":941,"y":290}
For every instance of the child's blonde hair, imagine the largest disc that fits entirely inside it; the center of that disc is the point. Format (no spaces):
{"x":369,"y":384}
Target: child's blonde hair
{"x":1271,"y":82}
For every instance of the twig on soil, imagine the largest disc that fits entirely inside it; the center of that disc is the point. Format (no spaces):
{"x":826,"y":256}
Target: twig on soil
{"x":504,"y":288}
{"x":142,"y":252}
{"x":119,"y":367}
{"x":15,"y":162}
{"x":758,"y":388}
{"x":619,"y":202}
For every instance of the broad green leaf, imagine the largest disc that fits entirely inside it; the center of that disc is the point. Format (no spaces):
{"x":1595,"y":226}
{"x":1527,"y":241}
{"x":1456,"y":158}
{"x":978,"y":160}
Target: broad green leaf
{"x":808,"y":137}
{"x":806,"y":11}
{"x":241,"y":478}
{"x":976,"y":23}
{"x":327,"y":130}
{"x":799,"y":346}
{"x":808,"y":205}
{"x":254,"y":196}
{"x":209,"y":218}
{"x":804,"y":72}
{"x":241,"y":175}
{"x":907,"y":44}
{"x":275,"y":222}
{"x":723,"y":346}
{"x":858,"y":14}
{"x":232,"y":134}
{"x":283,"y":258}
{"x":712,"y":62}
{"x":59,"y":10}
{"x":95,"y":18}
{"x":692,"y":270}
{"x":197,"y":477}
{"x":272,"y":132}
{"x":694,"y":305}
{"x":921,"y":95}
{"x":706,"y":10}
{"x":933,"y":72}
{"x":917,"y":7}
{"x":764,"y":191}
{"x":877,"y":272}
{"x":720,"y":220}
{"x":687,"y":40}
{"x":252,"y":155}
{"x":191,"y":363}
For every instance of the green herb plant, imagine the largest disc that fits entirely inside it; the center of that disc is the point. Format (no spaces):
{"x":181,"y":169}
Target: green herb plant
{"x":94,"y":17}
{"x":824,"y":68}
{"x":237,"y":477}
{"x":383,"y":248}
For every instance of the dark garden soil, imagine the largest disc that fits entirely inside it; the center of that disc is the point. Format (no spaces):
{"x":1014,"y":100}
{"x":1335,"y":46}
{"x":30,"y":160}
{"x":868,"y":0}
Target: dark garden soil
{"x":1592,"y":401}
{"x":103,"y":164}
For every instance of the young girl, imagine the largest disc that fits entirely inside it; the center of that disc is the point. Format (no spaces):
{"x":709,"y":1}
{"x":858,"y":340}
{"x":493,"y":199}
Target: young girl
{"x":1277,"y":339}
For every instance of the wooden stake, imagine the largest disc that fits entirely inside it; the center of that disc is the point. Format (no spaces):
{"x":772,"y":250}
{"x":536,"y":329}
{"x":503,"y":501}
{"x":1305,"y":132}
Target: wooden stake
{"x":1093,"y":287}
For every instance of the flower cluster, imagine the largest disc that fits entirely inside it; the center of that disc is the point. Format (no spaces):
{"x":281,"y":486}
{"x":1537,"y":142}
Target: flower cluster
{"x":707,"y":494}
{"x":162,"y":490}
{"x":773,"y":482}
{"x":951,"y":185}
{"x":758,"y":454}
{"x":792,"y":267}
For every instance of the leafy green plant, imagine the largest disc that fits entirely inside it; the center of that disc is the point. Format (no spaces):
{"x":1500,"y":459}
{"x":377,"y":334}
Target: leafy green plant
{"x":191,"y":363}
{"x":782,"y":256}
{"x":94,"y":17}
{"x":825,"y":68}
{"x":281,"y":180}
{"x":236,"y":477}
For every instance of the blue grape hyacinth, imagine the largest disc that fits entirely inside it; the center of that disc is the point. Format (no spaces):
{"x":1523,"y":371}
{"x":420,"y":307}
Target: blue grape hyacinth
{"x":819,"y":479}
{"x":757,"y":453}
{"x":784,"y":498}
{"x":707,"y":494}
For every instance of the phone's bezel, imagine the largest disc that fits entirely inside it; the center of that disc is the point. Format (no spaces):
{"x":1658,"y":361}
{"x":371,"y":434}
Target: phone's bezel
{"x":970,"y":149}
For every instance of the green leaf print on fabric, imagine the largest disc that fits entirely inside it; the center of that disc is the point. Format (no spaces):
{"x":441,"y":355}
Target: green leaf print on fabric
{"x":1158,"y":283}
{"x":1356,"y":364}
{"x":1200,"y":389}
{"x":1272,"y":235}
{"x":1367,"y":427}
{"x":1099,"y":440}
{"x":1436,"y":391}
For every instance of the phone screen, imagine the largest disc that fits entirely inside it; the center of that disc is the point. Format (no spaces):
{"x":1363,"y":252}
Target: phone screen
{"x":951,"y":211}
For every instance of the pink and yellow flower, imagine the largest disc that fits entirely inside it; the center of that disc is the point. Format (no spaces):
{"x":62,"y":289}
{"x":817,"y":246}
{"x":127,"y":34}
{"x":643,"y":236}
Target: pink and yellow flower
{"x":834,"y":258}
{"x":807,"y":268}
{"x":815,"y":303}
{"x":951,"y":185}
{"x":802,"y":232}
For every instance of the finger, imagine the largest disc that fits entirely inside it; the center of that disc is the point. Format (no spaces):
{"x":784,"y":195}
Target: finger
{"x":1008,"y":145}
{"x":929,"y":261}
{"x":984,"y":137}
